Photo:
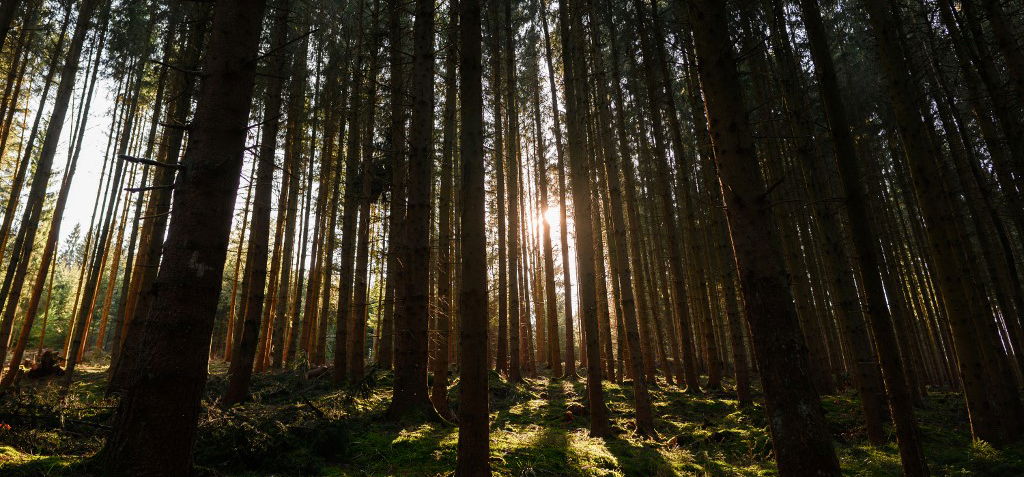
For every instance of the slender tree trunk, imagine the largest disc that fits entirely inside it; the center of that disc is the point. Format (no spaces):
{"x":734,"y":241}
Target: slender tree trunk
{"x":554,"y":355}
{"x":158,"y":208}
{"x":47,"y":260}
{"x":348,"y":222}
{"x":570,"y":26}
{"x":410,"y":386}
{"x":800,"y":436}
{"x":11,"y":208}
{"x":85,"y":311}
{"x":154,"y":427}
{"x":671,"y":228}
{"x":563,"y":231}
{"x":994,"y":408}
{"x":357,"y":333}
{"x":617,"y":241}
{"x":852,"y":177}
{"x":21,"y":253}
{"x":254,"y":283}
{"x":439,"y":385}
{"x":510,"y":165}
{"x":473,"y":458}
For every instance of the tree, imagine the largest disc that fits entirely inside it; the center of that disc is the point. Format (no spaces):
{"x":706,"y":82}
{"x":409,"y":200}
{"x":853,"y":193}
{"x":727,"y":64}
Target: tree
{"x":570,"y":26}
{"x":410,"y":388}
{"x":254,"y":282}
{"x":474,"y":448}
{"x":878,"y":313}
{"x":155,"y":422}
{"x":801,"y":440}
{"x":445,"y":258}
{"x":992,"y":404}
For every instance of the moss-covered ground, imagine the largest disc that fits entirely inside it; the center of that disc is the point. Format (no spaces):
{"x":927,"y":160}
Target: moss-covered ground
{"x":294,"y":426}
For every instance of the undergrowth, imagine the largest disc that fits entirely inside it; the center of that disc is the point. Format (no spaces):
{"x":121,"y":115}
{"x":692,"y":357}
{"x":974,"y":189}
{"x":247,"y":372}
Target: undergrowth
{"x":294,"y":426}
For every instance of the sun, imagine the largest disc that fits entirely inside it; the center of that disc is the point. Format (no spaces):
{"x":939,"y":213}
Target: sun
{"x":551,"y":215}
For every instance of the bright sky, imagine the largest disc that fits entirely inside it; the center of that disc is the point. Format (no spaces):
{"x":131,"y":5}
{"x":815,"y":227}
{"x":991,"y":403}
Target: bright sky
{"x":90,"y":163}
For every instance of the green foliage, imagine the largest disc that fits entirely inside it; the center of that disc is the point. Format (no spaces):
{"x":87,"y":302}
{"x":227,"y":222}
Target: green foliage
{"x":294,"y":426}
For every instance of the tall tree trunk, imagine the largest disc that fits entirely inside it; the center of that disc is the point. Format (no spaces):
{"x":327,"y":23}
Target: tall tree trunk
{"x":47,"y":260}
{"x":671,"y":228}
{"x":22,"y":251}
{"x":158,"y":209}
{"x":800,"y":435}
{"x":570,"y":25}
{"x":254,"y":281}
{"x":617,"y":241}
{"x":563,"y":227}
{"x":554,"y":355}
{"x":439,"y":367}
{"x":396,"y":217}
{"x":852,"y":177}
{"x":995,"y":409}
{"x":410,"y":386}
{"x":84,"y":314}
{"x":154,"y":426}
{"x":511,"y":167}
{"x":348,"y":219}
{"x":357,"y":333}
{"x":502,"y":349}
{"x":473,"y":458}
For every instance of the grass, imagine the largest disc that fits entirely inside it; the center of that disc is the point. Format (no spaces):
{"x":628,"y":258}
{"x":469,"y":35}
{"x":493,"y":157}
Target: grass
{"x":538,"y":428}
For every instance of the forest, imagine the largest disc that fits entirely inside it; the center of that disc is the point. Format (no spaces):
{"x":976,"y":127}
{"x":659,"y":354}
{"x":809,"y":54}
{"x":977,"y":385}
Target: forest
{"x":512,"y":237}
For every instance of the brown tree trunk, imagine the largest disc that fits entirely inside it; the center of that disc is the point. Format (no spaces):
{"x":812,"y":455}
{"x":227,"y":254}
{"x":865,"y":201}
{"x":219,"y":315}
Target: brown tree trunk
{"x":22,"y":251}
{"x":158,"y":208}
{"x":563,"y":232}
{"x":995,"y":409}
{"x":348,"y":219}
{"x":47,"y":260}
{"x":410,"y":386}
{"x":439,"y":366}
{"x":800,"y":435}
{"x":396,"y":217}
{"x":254,"y":281}
{"x":863,"y":239}
{"x":154,"y":427}
{"x":473,"y":458}
{"x":570,"y":26}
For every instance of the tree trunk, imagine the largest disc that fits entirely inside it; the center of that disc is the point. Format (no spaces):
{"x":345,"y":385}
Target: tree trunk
{"x":410,"y":385}
{"x":22,"y":251}
{"x":254,"y":282}
{"x":154,"y":427}
{"x":563,"y":227}
{"x":994,"y":408}
{"x":570,"y":25}
{"x":800,"y":435}
{"x":473,"y":458}
{"x":866,"y":245}
{"x":439,"y":367}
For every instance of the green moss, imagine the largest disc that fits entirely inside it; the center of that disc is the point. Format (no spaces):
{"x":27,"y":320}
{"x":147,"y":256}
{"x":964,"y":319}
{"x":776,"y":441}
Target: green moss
{"x":16,"y":463}
{"x":538,"y":427}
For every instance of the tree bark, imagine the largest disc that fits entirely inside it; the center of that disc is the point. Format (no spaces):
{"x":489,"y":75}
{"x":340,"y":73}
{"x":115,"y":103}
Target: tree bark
{"x":410,"y":386}
{"x":154,"y":426}
{"x":800,"y":435}
{"x":254,"y":281}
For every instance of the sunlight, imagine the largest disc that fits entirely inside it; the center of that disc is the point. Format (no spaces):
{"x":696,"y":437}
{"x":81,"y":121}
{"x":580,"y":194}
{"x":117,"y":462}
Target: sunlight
{"x":551,"y":216}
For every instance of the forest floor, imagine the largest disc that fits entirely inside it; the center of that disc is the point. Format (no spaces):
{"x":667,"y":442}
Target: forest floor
{"x":298,"y":427}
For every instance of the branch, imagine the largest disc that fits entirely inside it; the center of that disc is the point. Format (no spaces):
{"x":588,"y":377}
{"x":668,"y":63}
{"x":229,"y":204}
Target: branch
{"x":176,"y":68}
{"x":284,"y":45}
{"x":144,"y":217}
{"x":149,"y":188}
{"x":149,"y":162}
